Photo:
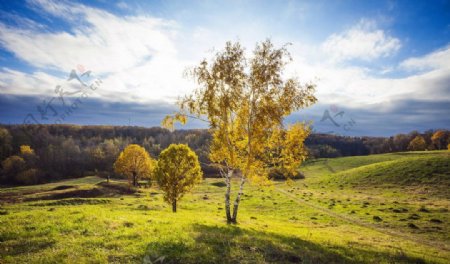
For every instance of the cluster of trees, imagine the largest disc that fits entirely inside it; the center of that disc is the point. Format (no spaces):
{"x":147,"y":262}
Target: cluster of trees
{"x":23,"y":167}
{"x":330,"y":146}
{"x":176,"y":171}
{"x":431,"y":141}
{"x":67,"y":151}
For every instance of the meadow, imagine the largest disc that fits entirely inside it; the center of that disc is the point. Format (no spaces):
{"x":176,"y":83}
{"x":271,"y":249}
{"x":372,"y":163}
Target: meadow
{"x":387,"y":208}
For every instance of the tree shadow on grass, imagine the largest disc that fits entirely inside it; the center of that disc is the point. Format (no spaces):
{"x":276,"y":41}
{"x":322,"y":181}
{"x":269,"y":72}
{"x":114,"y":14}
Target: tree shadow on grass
{"x":24,"y":246}
{"x":231,"y":244}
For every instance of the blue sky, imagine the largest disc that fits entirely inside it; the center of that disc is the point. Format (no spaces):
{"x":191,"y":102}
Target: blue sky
{"x":381,"y":66}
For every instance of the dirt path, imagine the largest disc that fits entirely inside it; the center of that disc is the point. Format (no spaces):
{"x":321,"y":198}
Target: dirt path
{"x":434,"y":244}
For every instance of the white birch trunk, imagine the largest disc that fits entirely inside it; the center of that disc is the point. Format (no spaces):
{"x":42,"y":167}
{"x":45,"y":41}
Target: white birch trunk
{"x":228,"y":176}
{"x":238,"y":199}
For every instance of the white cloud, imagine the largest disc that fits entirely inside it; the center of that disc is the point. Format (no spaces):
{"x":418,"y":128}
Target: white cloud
{"x":363,"y":42}
{"x":142,"y":58}
{"x":359,"y":87}
{"x":136,"y":55}
{"x":105,"y":44}
{"x":434,"y":60}
{"x":18,"y":83}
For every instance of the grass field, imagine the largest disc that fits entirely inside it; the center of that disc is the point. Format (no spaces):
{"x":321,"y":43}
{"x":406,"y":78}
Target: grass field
{"x":390,"y":208}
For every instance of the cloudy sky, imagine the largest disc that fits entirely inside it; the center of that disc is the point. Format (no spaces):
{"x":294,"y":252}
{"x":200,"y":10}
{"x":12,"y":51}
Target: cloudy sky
{"x":381,"y":67}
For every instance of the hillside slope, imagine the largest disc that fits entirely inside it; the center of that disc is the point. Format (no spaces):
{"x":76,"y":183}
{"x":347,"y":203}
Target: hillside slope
{"x":425,"y":169}
{"x":434,"y":170}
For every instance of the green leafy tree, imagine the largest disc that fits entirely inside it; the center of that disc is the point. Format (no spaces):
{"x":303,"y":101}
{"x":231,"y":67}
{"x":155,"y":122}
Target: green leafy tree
{"x":177,"y":171}
{"x":135,"y":163}
{"x":245,"y":102}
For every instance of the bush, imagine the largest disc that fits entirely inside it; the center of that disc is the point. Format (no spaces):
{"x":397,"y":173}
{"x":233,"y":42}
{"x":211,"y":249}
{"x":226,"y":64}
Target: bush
{"x":276,"y":174}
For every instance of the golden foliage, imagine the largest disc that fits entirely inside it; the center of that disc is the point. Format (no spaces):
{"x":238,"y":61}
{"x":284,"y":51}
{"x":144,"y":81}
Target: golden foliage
{"x":26,"y":150}
{"x":438,"y":135}
{"x":13,"y":164}
{"x":135,"y":163}
{"x":177,"y":171}
{"x":418,"y":143}
{"x":439,"y":139}
{"x":169,"y":121}
{"x":245,"y":102}
{"x":286,"y":150}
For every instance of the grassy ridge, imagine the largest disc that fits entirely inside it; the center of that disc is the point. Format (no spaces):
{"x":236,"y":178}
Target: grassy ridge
{"x":428,"y":170}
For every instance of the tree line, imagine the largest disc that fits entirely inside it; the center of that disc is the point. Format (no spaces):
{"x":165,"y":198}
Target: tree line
{"x":67,"y":151}
{"x":330,"y":146}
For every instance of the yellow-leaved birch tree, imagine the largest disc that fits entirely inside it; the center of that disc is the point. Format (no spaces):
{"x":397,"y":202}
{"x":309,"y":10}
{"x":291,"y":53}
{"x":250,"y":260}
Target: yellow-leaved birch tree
{"x":245,"y":101}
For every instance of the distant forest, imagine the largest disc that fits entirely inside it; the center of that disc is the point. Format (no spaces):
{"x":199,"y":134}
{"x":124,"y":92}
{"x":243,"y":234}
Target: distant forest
{"x":68,"y":151}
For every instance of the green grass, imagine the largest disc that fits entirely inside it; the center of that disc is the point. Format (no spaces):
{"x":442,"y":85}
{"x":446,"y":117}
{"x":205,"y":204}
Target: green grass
{"x":337,"y":214}
{"x":430,"y":170}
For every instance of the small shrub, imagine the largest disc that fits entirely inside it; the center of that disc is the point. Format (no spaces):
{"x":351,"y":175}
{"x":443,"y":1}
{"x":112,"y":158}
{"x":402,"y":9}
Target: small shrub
{"x":143,"y":207}
{"x":377,"y":218}
{"x":128,"y":224}
{"x":219,"y":184}
{"x":423,"y":209}
{"x":413,"y":226}
{"x":414,"y":216}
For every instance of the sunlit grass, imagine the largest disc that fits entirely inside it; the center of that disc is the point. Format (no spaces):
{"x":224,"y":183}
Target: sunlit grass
{"x":309,"y":221}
